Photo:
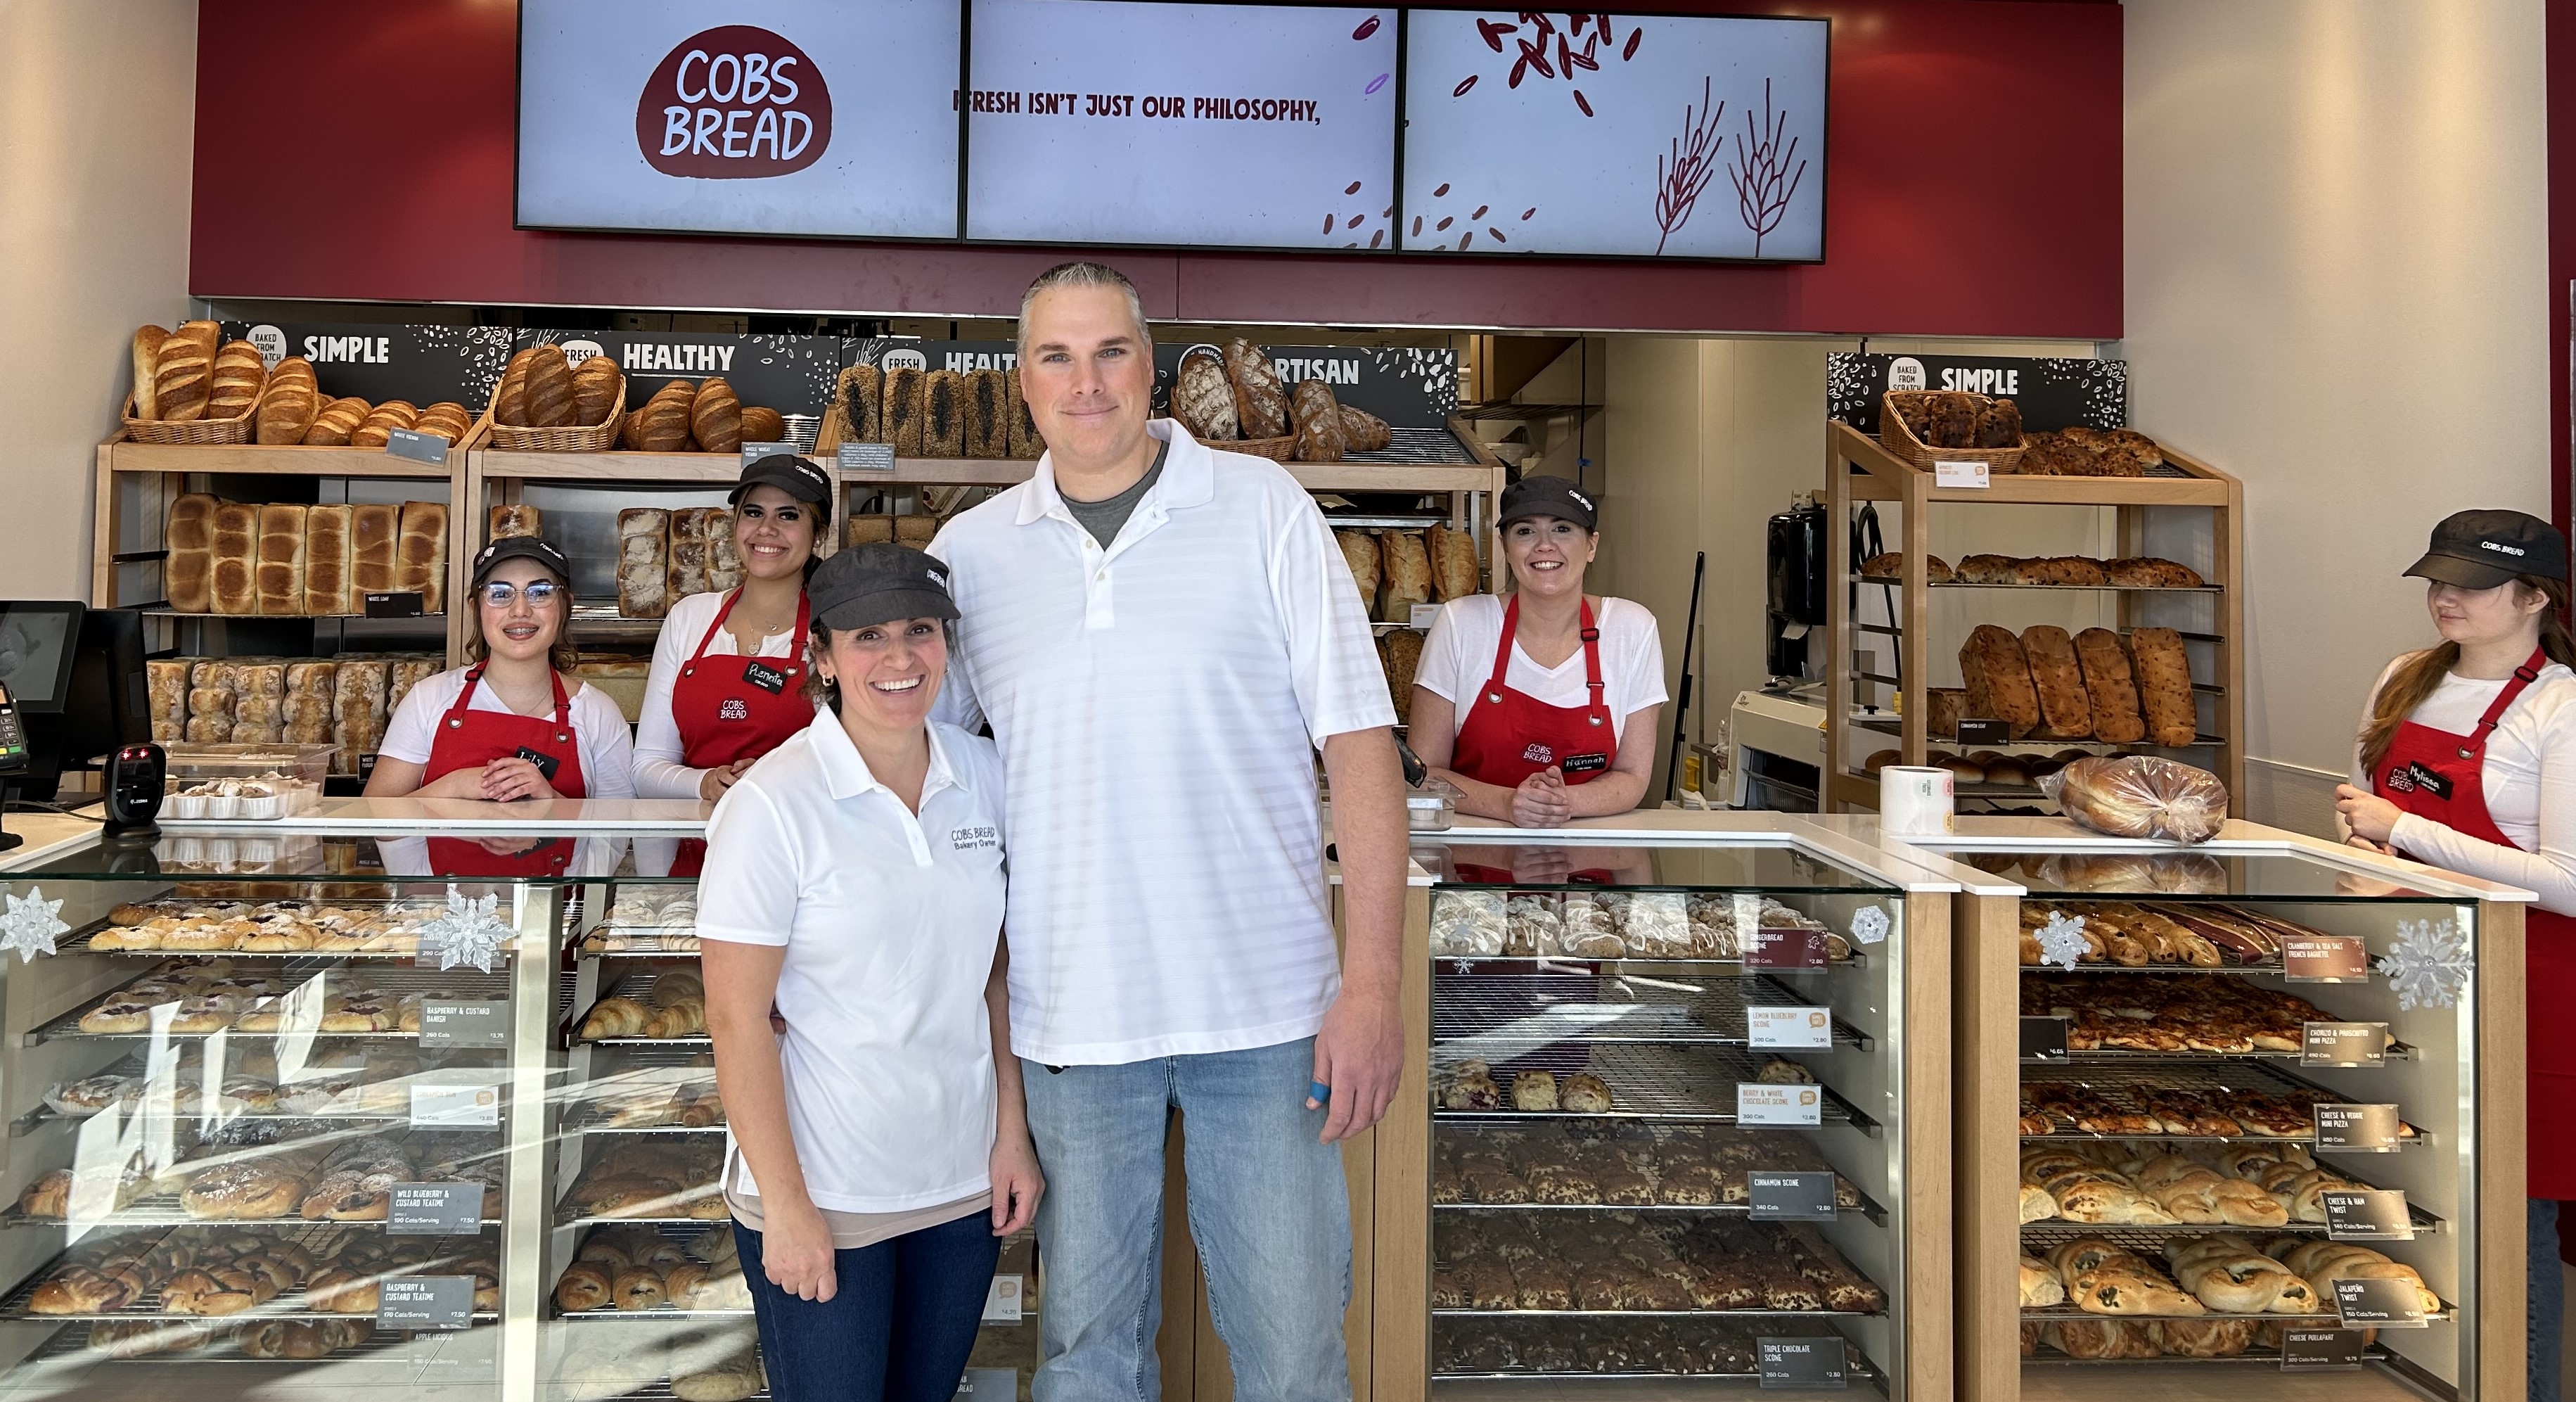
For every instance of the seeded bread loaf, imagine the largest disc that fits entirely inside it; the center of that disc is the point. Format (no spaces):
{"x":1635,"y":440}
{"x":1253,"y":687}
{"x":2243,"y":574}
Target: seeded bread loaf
{"x":1260,"y":403}
{"x":901,"y":417}
{"x":859,"y":398}
{"x":1203,"y":398}
{"x":2058,"y":678}
{"x":2110,"y":687}
{"x":2164,"y":686}
{"x":988,"y":414}
{"x":943,"y":415}
{"x":1025,"y":442}
{"x":1998,"y":677}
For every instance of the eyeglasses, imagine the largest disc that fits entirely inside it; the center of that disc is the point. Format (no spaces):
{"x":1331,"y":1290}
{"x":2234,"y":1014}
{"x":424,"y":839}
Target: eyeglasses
{"x":540,"y":592}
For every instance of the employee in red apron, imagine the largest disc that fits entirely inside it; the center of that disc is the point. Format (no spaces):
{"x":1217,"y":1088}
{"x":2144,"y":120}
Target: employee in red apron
{"x":2467,"y":761}
{"x":729,"y":670}
{"x":511,"y":724}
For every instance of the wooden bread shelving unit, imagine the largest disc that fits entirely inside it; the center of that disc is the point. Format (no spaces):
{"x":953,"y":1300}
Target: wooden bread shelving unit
{"x":1858,"y":469}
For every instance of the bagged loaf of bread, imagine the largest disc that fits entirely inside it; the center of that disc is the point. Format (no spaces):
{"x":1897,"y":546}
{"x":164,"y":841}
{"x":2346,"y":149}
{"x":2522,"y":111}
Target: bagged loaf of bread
{"x":2140,"y":796}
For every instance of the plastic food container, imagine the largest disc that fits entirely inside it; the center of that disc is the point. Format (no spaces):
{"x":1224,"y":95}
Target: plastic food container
{"x":1432,"y":807}
{"x":191,"y":765}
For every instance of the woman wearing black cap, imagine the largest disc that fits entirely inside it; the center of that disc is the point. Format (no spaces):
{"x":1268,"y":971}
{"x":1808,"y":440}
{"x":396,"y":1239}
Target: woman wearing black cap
{"x":728,"y":677}
{"x":1524,"y":703}
{"x":880,"y":1145}
{"x":2467,"y":761}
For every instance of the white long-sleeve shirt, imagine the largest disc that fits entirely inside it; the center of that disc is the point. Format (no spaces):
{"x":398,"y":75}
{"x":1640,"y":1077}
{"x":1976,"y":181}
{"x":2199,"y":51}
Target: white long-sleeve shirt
{"x":659,"y":770}
{"x":2529,"y":777}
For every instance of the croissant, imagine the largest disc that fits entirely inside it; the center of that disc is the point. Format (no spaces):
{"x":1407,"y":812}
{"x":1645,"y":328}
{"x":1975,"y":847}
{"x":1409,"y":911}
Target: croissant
{"x":615,"y":1017}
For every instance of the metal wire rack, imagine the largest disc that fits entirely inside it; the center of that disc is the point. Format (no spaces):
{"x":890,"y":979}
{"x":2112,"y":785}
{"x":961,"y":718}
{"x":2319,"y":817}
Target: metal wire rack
{"x":1612,"y":1006}
{"x":2149,"y":1243}
{"x":680,"y":1234}
{"x":2128,"y":1090}
{"x":320,"y":1239}
{"x":392,"y":980}
{"x":1649,"y":1082}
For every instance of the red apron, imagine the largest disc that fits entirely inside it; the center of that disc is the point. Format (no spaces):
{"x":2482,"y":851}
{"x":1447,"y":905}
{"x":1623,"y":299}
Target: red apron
{"x":1509,"y":735}
{"x":468,"y":739}
{"x":736,"y":708}
{"x":2439,"y":776}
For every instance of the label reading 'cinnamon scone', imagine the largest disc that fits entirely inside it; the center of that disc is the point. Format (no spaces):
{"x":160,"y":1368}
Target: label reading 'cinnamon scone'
{"x":1790,"y":1195}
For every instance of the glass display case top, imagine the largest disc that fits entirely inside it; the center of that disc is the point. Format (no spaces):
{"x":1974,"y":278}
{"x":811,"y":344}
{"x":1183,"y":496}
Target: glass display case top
{"x":1538,"y":866}
{"x":2222,"y":874}
{"x":324,"y":859}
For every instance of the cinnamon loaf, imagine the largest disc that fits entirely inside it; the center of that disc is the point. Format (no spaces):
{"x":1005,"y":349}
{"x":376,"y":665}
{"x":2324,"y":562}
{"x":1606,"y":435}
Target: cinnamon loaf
{"x":2065,"y":713}
{"x":2164,"y":686}
{"x":2110,"y":687}
{"x":1998,"y":677}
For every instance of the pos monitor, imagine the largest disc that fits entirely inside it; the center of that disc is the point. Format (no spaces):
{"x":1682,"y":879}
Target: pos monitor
{"x":77,"y":676}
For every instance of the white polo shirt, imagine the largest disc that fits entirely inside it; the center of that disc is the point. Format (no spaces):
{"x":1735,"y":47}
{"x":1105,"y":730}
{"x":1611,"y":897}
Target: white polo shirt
{"x":1158,"y":705}
{"x":889,"y":921}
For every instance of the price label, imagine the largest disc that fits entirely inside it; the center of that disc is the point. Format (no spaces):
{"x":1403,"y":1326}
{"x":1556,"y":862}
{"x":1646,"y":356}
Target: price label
{"x":990,"y":1384}
{"x":2343,"y":1044}
{"x":475,"y":1023}
{"x":1971,"y":475}
{"x":2369,"y":1214}
{"x":1802,"y":1362}
{"x":419,"y":447}
{"x":1782,"y":948}
{"x":401,"y":603}
{"x":2325,"y":959}
{"x":754,"y":452}
{"x":1791,"y":1195}
{"x":2379,"y":1304}
{"x":2314,"y":1350}
{"x":865,"y":457}
{"x":2357,"y":1129}
{"x":425,"y":1302}
{"x":1983,"y":732}
{"x":455,"y":1106}
{"x":1423,"y":616}
{"x":435,"y":1209}
{"x":2043,"y":1039}
{"x":1758,"y":1103}
{"x":1002,"y":1301}
{"x":1788,"y":1027}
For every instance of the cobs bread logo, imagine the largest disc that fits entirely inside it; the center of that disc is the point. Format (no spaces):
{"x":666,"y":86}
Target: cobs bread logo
{"x":736,"y":102}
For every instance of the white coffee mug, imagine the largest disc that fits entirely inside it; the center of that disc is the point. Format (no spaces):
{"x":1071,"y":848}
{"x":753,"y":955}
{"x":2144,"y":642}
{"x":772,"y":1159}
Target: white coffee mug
{"x":1915,"y":802}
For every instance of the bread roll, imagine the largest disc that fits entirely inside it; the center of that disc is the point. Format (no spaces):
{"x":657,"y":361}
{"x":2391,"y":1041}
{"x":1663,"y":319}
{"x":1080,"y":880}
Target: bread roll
{"x":715,"y":418}
{"x":1260,"y":403}
{"x":447,"y":419}
{"x":147,"y":359}
{"x":1025,"y":442}
{"x":2110,"y":687}
{"x":183,"y":374}
{"x":943,"y":414}
{"x":688,"y":548}
{"x":901,"y":415}
{"x":988,"y":414}
{"x":187,"y":576}
{"x":326,"y":559}
{"x":1403,"y":657}
{"x":1407,"y":571}
{"x":239,"y":375}
{"x":859,"y":398}
{"x":1360,"y":552}
{"x":664,"y":428}
{"x":1203,"y":398}
{"x":2058,"y":677}
{"x":549,"y":379}
{"x":1998,"y":677}
{"x":335,"y":421}
{"x":761,"y":425}
{"x":287,"y":406}
{"x":374,"y":528}
{"x":1454,"y":572}
{"x":596,"y":383}
{"x":2163,"y":672}
{"x":381,"y":421}
{"x":643,"y":562}
{"x":866,"y":530}
{"x":1366,"y":432}
{"x":420,"y":555}
{"x":166,"y":681}
{"x":517,"y":520}
{"x":1318,"y":423}
{"x":235,"y":551}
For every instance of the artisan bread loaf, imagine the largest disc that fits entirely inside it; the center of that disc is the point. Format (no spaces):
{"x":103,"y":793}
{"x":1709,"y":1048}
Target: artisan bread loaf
{"x":859,"y":398}
{"x":596,"y":383}
{"x":715,"y":418}
{"x":1360,"y":552}
{"x":900,"y":418}
{"x":147,"y":359}
{"x":943,"y":414}
{"x":335,"y":421}
{"x":447,"y":419}
{"x":510,"y":400}
{"x":1403,"y":658}
{"x":326,"y":559}
{"x":550,"y":402}
{"x":1407,"y":574}
{"x":1025,"y":442}
{"x":1203,"y":398}
{"x":916,"y":531}
{"x":379,"y":425}
{"x":420,"y":555}
{"x":2058,"y":677}
{"x":988,"y":414}
{"x":1260,"y":402}
{"x":235,"y":551}
{"x":2151,"y":574}
{"x":1998,"y":677}
{"x":1318,"y":419}
{"x":239,"y":375}
{"x":1942,"y":708}
{"x":187,"y":576}
{"x":643,"y":562}
{"x":868,"y":530}
{"x":516,"y":520}
{"x":761,"y":425}
{"x":2110,"y":687}
{"x":374,"y":529}
{"x":183,"y":373}
{"x":664,"y":428}
{"x":1366,"y":432}
{"x":287,"y":406}
{"x":1454,"y":572}
{"x":2164,"y":686}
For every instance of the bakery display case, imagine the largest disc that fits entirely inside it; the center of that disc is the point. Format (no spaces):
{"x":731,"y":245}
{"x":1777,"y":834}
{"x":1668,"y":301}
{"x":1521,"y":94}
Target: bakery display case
{"x":2256,"y":1103}
{"x":1683,"y":1113}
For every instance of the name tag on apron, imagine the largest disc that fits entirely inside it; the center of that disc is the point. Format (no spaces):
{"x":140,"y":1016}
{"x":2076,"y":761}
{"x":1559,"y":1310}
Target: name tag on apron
{"x":1585,"y":764}
{"x":2428,"y":781}
{"x":764,"y":676}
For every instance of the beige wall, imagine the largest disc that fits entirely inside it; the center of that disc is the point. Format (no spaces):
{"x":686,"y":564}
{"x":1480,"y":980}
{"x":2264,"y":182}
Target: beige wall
{"x":97,"y":102}
{"x":2335,"y":224}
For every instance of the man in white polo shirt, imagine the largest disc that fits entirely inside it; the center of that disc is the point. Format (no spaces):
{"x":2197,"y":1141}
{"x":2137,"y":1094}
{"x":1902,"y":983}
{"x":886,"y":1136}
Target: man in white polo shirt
{"x":1162,"y":635}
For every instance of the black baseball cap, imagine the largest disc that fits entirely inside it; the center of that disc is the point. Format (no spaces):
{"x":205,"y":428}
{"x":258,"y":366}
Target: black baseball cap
{"x":2482,"y":549}
{"x":522,"y":547}
{"x":796,"y":476}
{"x":879,"y":582}
{"x":1549,"y":496}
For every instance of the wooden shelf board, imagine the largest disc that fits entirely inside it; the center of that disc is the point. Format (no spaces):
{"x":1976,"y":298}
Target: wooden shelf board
{"x":720,"y":468}
{"x":247,"y":458}
{"x":1886,"y":477}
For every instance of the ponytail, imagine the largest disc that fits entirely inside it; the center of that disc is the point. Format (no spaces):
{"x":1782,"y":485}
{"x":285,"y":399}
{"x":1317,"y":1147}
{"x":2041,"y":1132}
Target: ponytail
{"x":2419,"y":676}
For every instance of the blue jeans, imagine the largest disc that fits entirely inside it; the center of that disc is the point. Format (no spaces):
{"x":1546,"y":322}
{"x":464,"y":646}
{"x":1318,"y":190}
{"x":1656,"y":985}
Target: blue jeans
{"x":897,"y":1329}
{"x":1267,"y":1207}
{"x":2547,"y":1291}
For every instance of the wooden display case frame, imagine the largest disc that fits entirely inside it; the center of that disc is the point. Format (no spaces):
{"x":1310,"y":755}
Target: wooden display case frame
{"x":1858,"y":469}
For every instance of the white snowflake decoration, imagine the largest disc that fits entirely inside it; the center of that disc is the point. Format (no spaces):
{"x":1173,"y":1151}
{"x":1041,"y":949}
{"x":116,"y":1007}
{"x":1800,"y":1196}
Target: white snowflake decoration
{"x":30,"y":925}
{"x":468,"y":933}
{"x":2061,"y":940}
{"x":2428,"y":965}
{"x":1869,"y":924}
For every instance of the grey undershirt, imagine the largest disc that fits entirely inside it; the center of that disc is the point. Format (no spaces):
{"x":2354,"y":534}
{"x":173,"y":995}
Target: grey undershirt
{"x":1106,"y":518}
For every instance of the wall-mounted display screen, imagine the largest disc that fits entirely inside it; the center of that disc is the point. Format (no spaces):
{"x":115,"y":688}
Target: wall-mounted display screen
{"x":1132,"y":121}
{"x":1652,"y":136}
{"x":787,"y":118}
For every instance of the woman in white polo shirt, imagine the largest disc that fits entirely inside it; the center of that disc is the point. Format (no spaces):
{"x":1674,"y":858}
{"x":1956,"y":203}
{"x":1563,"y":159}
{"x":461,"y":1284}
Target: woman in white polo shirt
{"x":879,"y":1147}
{"x":1526,"y":701}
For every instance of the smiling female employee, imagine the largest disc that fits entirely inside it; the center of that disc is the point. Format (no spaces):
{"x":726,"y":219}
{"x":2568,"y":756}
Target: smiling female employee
{"x":1553,"y":680}
{"x":2467,"y":761}
{"x":507,"y":726}
{"x":880,"y":1145}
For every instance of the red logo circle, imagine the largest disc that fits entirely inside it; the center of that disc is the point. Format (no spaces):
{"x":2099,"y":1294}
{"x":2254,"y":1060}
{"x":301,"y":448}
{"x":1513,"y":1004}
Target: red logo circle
{"x":736,"y":102}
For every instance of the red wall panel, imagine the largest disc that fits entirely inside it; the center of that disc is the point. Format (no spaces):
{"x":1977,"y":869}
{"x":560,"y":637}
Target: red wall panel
{"x":1974,"y":190}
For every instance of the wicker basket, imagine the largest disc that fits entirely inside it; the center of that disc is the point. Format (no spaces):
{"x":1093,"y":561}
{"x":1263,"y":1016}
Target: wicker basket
{"x":1901,"y":441}
{"x":192,"y":433}
{"x":579,"y":438}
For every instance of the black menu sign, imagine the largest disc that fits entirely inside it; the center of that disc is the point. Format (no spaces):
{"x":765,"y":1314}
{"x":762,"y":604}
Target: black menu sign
{"x":2306,"y":1350}
{"x":1791,"y":1195}
{"x":2367,"y":1214}
{"x":2358,"y":1129}
{"x":1802,"y":1362}
{"x":377,"y":361}
{"x":2051,"y":393}
{"x":791,"y":374}
{"x":2379,"y":1304}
